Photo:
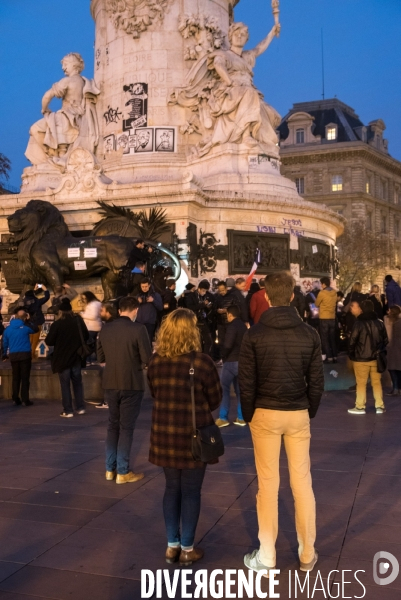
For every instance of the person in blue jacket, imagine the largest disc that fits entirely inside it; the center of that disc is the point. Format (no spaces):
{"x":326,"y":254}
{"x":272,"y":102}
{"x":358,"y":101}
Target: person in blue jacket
{"x":17,"y":347}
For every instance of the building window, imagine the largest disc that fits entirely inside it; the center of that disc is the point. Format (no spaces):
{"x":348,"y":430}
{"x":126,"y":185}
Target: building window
{"x":396,"y":228}
{"x":300,"y":136}
{"x":369,"y":221}
{"x":337,"y":183}
{"x":331,"y":133}
{"x":383,"y":189}
{"x":383,"y":224}
{"x":396,"y":195}
{"x":367,"y":187}
{"x":300,"y":183}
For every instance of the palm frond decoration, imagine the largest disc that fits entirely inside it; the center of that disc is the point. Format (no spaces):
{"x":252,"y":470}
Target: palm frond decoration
{"x":111,"y":210}
{"x":153,"y":224}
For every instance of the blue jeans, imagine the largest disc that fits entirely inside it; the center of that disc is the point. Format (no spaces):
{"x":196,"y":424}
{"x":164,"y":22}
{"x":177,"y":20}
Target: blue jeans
{"x":182,"y":502}
{"x":72,"y":375}
{"x":124,"y":407}
{"x":229,"y":375}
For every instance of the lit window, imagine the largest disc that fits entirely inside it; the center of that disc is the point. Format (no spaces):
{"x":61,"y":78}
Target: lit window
{"x":300,"y":137}
{"x":300,"y":183}
{"x":331,"y":133}
{"x":367,"y":187}
{"x":337,"y":183}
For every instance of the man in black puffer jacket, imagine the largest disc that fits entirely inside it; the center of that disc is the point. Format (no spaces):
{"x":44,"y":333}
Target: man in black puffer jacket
{"x":281,"y":384}
{"x":368,"y":336}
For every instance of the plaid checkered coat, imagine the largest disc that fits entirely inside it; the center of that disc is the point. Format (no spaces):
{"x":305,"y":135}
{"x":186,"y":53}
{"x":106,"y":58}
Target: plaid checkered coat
{"x":170,"y":440}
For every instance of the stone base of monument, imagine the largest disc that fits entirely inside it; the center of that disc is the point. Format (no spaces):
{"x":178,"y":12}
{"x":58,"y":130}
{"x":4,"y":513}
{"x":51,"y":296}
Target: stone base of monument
{"x":45,"y":385}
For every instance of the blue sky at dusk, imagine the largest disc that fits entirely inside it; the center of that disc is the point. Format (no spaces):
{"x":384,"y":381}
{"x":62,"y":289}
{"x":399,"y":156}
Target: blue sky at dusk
{"x":362,"y":58}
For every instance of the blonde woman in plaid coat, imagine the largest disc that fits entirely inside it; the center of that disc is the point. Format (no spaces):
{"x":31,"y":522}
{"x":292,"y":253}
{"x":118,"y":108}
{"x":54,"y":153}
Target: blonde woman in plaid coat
{"x":170,"y":442}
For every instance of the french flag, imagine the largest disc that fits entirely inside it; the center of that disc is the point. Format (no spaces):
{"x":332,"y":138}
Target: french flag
{"x":256,"y":263}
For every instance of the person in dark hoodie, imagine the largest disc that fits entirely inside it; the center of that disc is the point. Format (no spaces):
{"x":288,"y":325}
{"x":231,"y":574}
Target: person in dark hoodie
{"x":235,"y":331}
{"x":281,"y":382}
{"x":151,"y":304}
{"x":66,"y":336}
{"x":17,"y":343}
{"x":33,"y":306}
{"x":393,"y":291}
{"x":368,"y":336}
{"x":299,"y":301}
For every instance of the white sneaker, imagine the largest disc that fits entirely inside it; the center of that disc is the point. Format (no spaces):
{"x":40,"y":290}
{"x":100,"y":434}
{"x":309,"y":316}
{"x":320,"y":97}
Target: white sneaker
{"x":380,"y":411}
{"x":81,"y":412}
{"x":309,"y":566}
{"x":252,"y":562}
{"x":66,"y":415}
{"x":357,"y":411}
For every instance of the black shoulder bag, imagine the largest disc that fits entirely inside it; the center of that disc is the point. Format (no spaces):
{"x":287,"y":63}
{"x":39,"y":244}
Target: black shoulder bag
{"x":206,"y":442}
{"x":380,"y":354}
{"x":84,"y":350}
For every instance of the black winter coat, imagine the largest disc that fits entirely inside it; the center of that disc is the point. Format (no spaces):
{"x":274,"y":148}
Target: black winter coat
{"x":64,"y":336}
{"x":232,"y":340}
{"x":240,"y":301}
{"x":280,"y":365}
{"x":367,"y":336}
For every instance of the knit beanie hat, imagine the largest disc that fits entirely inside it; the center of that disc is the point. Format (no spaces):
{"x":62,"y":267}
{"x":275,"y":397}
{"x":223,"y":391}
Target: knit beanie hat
{"x":65,"y":305}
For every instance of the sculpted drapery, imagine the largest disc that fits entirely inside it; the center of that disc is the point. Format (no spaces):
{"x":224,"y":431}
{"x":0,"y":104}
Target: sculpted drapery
{"x":221,"y":92}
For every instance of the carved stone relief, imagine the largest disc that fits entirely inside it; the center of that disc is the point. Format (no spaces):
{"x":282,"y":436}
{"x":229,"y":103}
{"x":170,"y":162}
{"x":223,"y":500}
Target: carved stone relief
{"x":204,"y":33}
{"x":135,"y":16}
{"x":242,"y":246}
{"x":315,"y":257}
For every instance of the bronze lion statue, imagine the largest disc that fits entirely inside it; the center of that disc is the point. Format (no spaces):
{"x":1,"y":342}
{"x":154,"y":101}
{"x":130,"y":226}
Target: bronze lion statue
{"x":48,"y":253}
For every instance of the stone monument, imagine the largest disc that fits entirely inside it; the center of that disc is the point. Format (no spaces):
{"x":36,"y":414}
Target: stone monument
{"x":173,"y":119}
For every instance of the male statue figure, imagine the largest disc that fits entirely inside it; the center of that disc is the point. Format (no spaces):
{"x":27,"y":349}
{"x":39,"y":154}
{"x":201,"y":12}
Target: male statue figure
{"x":74,"y":125}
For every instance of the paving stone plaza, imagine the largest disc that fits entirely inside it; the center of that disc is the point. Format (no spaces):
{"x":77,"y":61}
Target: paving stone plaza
{"x":67,"y":533}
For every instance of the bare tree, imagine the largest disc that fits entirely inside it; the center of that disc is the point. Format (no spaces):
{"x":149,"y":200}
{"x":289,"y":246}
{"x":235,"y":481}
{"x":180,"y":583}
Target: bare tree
{"x":362,"y":255}
{"x":5,"y":166}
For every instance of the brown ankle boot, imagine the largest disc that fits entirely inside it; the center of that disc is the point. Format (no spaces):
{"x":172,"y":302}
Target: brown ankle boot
{"x":172,"y":554}
{"x":187,"y":557}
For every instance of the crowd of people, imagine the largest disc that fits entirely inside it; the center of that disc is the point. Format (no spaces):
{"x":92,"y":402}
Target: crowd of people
{"x":258,"y":337}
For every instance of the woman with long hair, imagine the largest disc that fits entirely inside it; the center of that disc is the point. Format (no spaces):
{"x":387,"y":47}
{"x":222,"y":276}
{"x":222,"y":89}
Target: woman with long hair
{"x":392,"y":322}
{"x":178,"y":342}
{"x":93,"y":321}
{"x":65,"y":336}
{"x":375,"y":297}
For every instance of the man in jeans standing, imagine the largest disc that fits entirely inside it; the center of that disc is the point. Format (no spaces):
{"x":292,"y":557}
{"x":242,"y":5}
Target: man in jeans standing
{"x":124,"y":347}
{"x":327,"y":305}
{"x":281,"y":382}
{"x":229,"y":374}
{"x":16,"y":341}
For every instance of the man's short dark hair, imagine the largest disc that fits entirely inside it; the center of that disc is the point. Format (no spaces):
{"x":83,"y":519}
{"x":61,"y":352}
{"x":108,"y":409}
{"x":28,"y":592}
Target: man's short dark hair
{"x":138,"y":241}
{"x":139,"y":264}
{"x":388,"y":278}
{"x":340,"y":294}
{"x":279,"y":288}
{"x":204,"y":285}
{"x":145,"y":280}
{"x":170,"y":282}
{"x":111,"y":308}
{"x":223,"y":283}
{"x":239,"y":280}
{"x":19,"y":309}
{"x":367,"y":306}
{"x":234,"y":311}
{"x":128,"y":304}
{"x":325,"y":281}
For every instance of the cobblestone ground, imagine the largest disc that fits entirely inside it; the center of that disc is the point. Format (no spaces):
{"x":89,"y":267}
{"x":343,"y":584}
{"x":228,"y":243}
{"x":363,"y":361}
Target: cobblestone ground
{"x":66,"y":533}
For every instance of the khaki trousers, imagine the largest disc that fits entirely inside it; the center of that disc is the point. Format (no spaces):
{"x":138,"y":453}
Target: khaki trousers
{"x":364,"y":370}
{"x":34,"y":338}
{"x":267,"y":428}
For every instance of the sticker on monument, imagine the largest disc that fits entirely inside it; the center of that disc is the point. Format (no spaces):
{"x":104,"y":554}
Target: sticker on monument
{"x":123,"y":143}
{"x":137,"y":105}
{"x":90,"y":252}
{"x":165,"y":140}
{"x":144,"y":140}
{"x":108,"y":143}
{"x":73,"y":252}
{"x":132,"y":142}
{"x":314,"y":249}
{"x":80,"y":265}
